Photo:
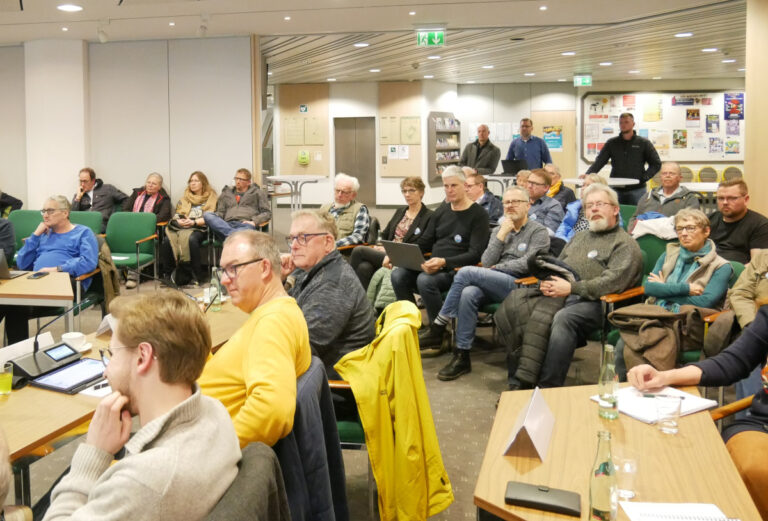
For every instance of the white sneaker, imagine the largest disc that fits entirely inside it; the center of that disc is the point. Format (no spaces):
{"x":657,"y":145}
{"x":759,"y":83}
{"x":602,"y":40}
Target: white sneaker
{"x":130,"y":284}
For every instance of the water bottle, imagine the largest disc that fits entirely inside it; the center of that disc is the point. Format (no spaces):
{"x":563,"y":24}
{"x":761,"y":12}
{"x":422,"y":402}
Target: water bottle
{"x":603,"y":491}
{"x":608,"y":386}
{"x":215,"y":290}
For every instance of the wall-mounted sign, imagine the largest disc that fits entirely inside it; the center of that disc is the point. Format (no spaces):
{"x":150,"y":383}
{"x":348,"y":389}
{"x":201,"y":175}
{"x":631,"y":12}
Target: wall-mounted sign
{"x":303,"y":108}
{"x":582,"y":80}
{"x":430,"y":38}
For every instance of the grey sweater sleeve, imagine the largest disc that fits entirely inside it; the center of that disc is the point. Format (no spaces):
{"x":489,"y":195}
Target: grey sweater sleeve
{"x":493,"y":252}
{"x":537,"y":240}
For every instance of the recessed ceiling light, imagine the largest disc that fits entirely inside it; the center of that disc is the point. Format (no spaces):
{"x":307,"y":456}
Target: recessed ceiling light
{"x":428,"y":76}
{"x":741,"y":70}
{"x":656,"y":78}
{"x":65,"y":29}
{"x":561,"y":79}
{"x":709,"y":49}
{"x":529,"y":74}
{"x":331,"y":79}
{"x":568,"y":53}
{"x":374,"y":70}
{"x":286,"y":18}
{"x":470,"y":81}
{"x":487,"y":66}
{"x":634,"y":71}
{"x":172,"y":24}
{"x":269,"y":74}
{"x":606,"y":64}
{"x":362,"y":44}
{"x":729,"y":60}
{"x":412,"y":13}
{"x":69,"y":8}
{"x":433,"y":57}
{"x":683,"y":35}
{"x":542,"y":8}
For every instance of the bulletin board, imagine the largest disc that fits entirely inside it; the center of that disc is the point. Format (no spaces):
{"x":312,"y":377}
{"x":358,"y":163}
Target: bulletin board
{"x":684,"y":126}
{"x":304,"y":128}
{"x":399,"y":129}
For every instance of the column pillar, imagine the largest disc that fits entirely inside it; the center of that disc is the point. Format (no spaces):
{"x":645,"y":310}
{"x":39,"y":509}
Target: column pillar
{"x":258,"y":90}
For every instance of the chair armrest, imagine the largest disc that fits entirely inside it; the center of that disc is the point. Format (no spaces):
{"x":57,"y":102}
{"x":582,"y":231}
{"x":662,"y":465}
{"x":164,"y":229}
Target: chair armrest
{"x":727,"y":410}
{"x":348,"y":247}
{"x":710,"y":319}
{"x":339,"y":384}
{"x":145,"y":239}
{"x":262,"y":225}
{"x":162,"y":224}
{"x":527,"y":281}
{"x":625,"y":295}
{"x":88,"y":275}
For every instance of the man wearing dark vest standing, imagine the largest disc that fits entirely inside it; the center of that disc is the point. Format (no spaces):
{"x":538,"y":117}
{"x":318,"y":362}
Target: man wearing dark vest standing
{"x":352,"y":218}
{"x":481,"y":154}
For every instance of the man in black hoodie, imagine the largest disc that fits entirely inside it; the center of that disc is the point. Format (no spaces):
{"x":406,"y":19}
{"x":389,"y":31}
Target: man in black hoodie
{"x":96,"y":196}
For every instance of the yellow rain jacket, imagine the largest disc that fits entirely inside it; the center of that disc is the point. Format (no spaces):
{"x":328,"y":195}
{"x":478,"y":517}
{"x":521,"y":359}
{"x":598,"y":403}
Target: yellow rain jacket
{"x":388,"y":384}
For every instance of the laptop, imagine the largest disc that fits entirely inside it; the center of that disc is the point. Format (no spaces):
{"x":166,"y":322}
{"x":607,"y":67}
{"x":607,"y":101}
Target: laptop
{"x":5,"y":273}
{"x":404,"y":255}
{"x":513,"y":166}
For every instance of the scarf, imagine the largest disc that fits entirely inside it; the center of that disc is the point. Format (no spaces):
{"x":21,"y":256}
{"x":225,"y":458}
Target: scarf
{"x":188,"y":200}
{"x":687,"y":263}
{"x":555,"y":188}
{"x":149,"y":205}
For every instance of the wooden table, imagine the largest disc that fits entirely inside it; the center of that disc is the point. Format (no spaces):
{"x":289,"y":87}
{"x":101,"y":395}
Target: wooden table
{"x":691,"y":467}
{"x":53,"y":290}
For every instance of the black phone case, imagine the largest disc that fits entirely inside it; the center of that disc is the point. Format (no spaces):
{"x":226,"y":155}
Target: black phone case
{"x":543,"y":498}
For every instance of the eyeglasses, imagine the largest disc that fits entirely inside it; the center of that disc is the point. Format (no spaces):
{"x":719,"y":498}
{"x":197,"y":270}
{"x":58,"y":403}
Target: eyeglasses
{"x":689,"y":229}
{"x":241,"y":179}
{"x":106,"y":354}
{"x":302,"y":238}
{"x":535,"y":183}
{"x":514,"y":202}
{"x":231,"y":270}
{"x":343,"y":192}
{"x":731,"y":199}
{"x":596,"y":204}
{"x":49,"y":211}
{"x":669,"y":174}
{"x":406,"y":191}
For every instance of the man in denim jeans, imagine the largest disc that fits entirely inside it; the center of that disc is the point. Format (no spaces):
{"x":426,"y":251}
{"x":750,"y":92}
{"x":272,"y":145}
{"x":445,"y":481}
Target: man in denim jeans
{"x":504,"y":260}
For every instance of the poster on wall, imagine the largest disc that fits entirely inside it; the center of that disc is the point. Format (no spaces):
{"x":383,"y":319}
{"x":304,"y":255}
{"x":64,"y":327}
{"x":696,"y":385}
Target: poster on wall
{"x":715,"y":145}
{"x":713,"y":123}
{"x":732,"y":127}
{"x":662,"y":141}
{"x":553,"y":137}
{"x":629,"y":101}
{"x":692,"y":118}
{"x":698,"y":140}
{"x":680,"y":138}
{"x":734,"y":105}
{"x":652,"y":110}
{"x":732,"y":146}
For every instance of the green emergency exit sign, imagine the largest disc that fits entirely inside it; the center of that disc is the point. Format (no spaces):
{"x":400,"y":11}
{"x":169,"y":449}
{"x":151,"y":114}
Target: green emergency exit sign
{"x":430,"y":38}
{"x":582,"y":80}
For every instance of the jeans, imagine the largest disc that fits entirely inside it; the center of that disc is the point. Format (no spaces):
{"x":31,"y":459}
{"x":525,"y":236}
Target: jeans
{"x":223,"y":228}
{"x":406,"y":282}
{"x":472,"y":288}
{"x":366,"y":261}
{"x":632,"y":195}
{"x":570,"y":328}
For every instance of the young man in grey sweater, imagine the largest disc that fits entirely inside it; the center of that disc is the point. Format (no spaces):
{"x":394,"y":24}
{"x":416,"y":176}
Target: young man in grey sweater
{"x":184,"y":456}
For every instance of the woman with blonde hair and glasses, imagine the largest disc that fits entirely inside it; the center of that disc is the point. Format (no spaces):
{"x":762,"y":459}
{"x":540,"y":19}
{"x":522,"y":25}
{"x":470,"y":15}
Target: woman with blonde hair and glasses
{"x":186,"y":231}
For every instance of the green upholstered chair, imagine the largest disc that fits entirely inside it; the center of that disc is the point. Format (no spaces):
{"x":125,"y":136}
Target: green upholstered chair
{"x":24,"y":223}
{"x":132,"y":238}
{"x":90,"y":219}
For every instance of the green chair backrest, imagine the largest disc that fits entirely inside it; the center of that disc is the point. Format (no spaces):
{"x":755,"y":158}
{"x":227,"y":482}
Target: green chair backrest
{"x":90,"y":219}
{"x":24,"y":223}
{"x":737,"y":269}
{"x":653,"y":247}
{"x":627,"y":211}
{"x":125,"y":228}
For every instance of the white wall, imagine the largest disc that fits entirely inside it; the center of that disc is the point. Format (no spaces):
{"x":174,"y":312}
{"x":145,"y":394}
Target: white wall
{"x":55,"y":99}
{"x":13,"y":167}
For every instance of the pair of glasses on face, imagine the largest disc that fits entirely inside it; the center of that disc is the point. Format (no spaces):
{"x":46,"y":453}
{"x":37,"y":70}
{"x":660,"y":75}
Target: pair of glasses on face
{"x":533,"y":183}
{"x":514,"y":202}
{"x":343,"y":192}
{"x":231,"y":270}
{"x":302,"y":239}
{"x":408,"y":191}
{"x":241,"y":179}
{"x":49,"y":211}
{"x":596,"y":204}
{"x":688,"y":229}
{"x":731,"y":199}
{"x":106,"y":353}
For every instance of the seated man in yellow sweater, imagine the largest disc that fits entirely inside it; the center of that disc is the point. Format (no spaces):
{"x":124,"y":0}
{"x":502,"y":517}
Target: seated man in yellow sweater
{"x":254,"y":374}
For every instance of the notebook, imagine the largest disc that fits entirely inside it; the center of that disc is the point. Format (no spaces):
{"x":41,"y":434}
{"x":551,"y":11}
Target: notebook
{"x":673,"y":511}
{"x":642,"y":406}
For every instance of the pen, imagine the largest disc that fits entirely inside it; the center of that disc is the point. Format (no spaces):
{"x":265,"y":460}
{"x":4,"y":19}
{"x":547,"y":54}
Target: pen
{"x":651,"y":395}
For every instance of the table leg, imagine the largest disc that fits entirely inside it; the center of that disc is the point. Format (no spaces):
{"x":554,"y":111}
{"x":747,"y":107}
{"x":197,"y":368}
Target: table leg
{"x":21,"y":485}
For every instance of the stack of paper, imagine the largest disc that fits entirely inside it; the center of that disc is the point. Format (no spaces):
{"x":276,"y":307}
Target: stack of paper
{"x":672,"y":511}
{"x":642,"y":406}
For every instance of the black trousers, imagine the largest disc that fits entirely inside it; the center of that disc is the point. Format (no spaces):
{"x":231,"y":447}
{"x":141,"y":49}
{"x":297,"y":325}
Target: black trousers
{"x":366,"y":261}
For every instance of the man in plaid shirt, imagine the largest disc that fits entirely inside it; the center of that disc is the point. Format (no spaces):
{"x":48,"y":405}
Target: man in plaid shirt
{"x":352,"y":218}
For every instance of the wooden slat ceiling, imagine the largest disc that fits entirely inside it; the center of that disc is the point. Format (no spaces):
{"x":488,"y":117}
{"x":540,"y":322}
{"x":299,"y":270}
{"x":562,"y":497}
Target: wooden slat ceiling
{"x":646,"y":45}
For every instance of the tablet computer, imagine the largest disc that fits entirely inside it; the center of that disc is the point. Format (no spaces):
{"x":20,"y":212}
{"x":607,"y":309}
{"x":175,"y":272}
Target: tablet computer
{"x":72,"y":378}
{"x":404,"y":255}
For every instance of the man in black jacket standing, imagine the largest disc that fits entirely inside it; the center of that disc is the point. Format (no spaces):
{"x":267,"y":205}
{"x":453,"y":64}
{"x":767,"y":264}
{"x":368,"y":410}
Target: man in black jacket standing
{"x":629,"y":154}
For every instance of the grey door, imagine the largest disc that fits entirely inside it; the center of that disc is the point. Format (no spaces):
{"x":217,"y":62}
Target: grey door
{"x":355,"y":154}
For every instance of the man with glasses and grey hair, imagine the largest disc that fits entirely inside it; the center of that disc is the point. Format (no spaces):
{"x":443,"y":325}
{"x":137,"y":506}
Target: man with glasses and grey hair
{"x":254,"y":374}
{"x":542,"y":327}
{"x":352,"y":217}
{"x":244,"y":206}
{"x":339,"y":316}
{"x":55,"y":245}
{"x":505,"y":259}
{"x":667,"y":199}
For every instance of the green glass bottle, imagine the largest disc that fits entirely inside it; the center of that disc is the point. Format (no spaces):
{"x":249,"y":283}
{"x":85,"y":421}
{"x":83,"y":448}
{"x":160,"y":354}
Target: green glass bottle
{"x":603,"y":491}
{"x":608,"y":386}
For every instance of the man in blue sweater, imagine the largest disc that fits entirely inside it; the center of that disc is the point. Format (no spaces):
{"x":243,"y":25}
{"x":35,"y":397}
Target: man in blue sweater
{"x":532,"y":149}
{"x":56,"y":245}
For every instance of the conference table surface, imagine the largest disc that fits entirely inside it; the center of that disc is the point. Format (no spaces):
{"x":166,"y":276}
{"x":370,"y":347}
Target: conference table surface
{"x":32,"y":417}
{"x":690,"y":467}
{"x":52,"y":290}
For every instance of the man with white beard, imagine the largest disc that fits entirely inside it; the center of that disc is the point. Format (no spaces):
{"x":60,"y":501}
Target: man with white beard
{"x":606,"y":260}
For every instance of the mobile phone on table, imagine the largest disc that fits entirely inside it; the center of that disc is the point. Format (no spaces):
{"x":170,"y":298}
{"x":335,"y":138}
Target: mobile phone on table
{"x":38,"y":275}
